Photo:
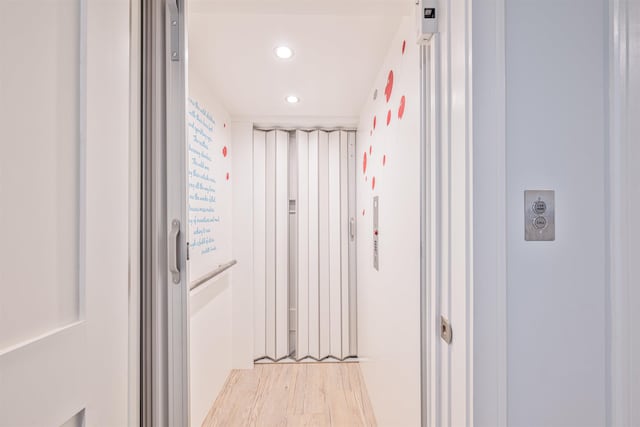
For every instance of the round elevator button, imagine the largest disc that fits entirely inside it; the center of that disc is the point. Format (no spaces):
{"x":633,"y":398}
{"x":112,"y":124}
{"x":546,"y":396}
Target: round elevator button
{"x":540,"y":222}
{"x":539,"y":207}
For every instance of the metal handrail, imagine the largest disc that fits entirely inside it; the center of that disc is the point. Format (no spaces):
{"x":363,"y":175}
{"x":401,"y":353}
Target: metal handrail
{"x":221,"y":269}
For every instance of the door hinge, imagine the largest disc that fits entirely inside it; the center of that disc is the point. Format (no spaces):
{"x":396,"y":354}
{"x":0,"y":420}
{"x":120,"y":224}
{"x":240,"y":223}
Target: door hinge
{"x":174,"y":22}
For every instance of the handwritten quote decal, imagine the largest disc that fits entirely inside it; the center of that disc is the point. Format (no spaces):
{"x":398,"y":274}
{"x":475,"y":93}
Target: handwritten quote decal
{"x":202,"y":182}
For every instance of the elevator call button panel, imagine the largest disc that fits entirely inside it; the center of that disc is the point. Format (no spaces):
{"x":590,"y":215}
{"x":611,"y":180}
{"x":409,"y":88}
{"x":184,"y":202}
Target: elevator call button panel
{"x":539,"y":216}
{"x":375,"y":233}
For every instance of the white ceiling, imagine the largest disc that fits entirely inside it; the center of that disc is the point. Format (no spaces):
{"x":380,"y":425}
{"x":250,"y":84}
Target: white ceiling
{"x":339,"y":47}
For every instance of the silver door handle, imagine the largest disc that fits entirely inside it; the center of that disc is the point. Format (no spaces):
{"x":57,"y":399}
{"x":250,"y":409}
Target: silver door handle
{"x":352,"y":228}
{"x":173,"y":251}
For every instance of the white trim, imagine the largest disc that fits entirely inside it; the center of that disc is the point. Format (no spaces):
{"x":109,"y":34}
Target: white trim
{"x":469,"y":236}
{"x":489,"y":299}
{"x":619,"y":398}
{"x":501,"y":192}
{"x":135,"y":197}
{"x":45,"y":336}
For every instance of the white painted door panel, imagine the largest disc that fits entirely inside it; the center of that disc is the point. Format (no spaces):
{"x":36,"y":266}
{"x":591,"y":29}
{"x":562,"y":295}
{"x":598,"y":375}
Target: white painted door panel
{"x":42,"y":327}
{"x":63,"y":264}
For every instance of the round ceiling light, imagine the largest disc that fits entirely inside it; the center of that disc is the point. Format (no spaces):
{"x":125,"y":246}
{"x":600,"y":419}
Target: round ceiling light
{"x":284,"y":52}
{"x":292,"y":99}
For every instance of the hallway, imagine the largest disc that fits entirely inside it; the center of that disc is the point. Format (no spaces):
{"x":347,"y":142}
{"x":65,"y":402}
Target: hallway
{"x":288,"y":394}
{"x":432,"y":201}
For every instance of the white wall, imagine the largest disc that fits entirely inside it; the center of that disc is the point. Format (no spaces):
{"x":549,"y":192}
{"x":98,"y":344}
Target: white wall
{"x":489,"y":231}
{"x":210,"y":304}
{"x":388,"y":299}
{"x":556,"y":139}
{"x":242,"y":136}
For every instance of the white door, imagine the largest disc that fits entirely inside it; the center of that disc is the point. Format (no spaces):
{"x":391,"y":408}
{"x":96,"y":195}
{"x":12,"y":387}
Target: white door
{"x":64,"y":174}
{"x":304,"y":245}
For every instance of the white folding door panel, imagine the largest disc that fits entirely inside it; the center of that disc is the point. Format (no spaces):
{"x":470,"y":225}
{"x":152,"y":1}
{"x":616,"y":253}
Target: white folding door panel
{"x":271,"y":244}
{"x":335,"y":258}
{"x":302,"y":216}
{"x":323,"y":244}
{"x":305,"y":294}
{"x":259,"y":243}
{"x":344,"y":305}
{"x":282,"y":243}
{"x":351,"y":256}
{"x":313,"y":303}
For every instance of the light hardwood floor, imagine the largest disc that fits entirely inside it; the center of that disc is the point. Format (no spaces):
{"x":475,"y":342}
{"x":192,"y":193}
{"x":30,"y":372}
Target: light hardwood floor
{"x":293,"y":394}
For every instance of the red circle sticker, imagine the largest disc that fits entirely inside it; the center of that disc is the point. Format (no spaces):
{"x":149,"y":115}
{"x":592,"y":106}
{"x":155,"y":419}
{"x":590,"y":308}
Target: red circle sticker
{"x":401,"y":108}
{"x":389,"y":87}
{"x":364,"y":163}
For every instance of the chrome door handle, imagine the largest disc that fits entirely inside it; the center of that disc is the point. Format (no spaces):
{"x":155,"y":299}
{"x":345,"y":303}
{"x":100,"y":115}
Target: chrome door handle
{"x":173,"y":251}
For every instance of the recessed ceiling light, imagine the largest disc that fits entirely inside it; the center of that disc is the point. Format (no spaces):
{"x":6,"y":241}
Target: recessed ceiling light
{"x":284,"y":52}
{"x":292,"y":99}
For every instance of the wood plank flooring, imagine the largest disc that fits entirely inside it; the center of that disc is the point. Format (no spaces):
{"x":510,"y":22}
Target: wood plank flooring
{"x":293,"y":395}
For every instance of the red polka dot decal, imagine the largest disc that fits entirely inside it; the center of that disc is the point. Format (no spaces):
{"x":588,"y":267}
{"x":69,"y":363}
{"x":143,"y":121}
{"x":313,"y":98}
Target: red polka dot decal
{"x":373,"y":183}
{"x":364,"y":163}
{"x":370,"y":150}
{"x":384,"y":160}
{"x":388,"y":117}
{"x":404,"y":46}
{"x":401,"y":108}
{"x":225,"y":151}
{"x":389,"y":88}
{"x":362,"y":212}
{"x":374,"y":122}
{"x":227,"y":176}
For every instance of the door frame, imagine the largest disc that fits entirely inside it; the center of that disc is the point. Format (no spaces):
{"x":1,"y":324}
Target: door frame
{"x":621,"y":337}
{"x":164,"y":283}
{"x":429,"y":237}
{"x":135,"y":201}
